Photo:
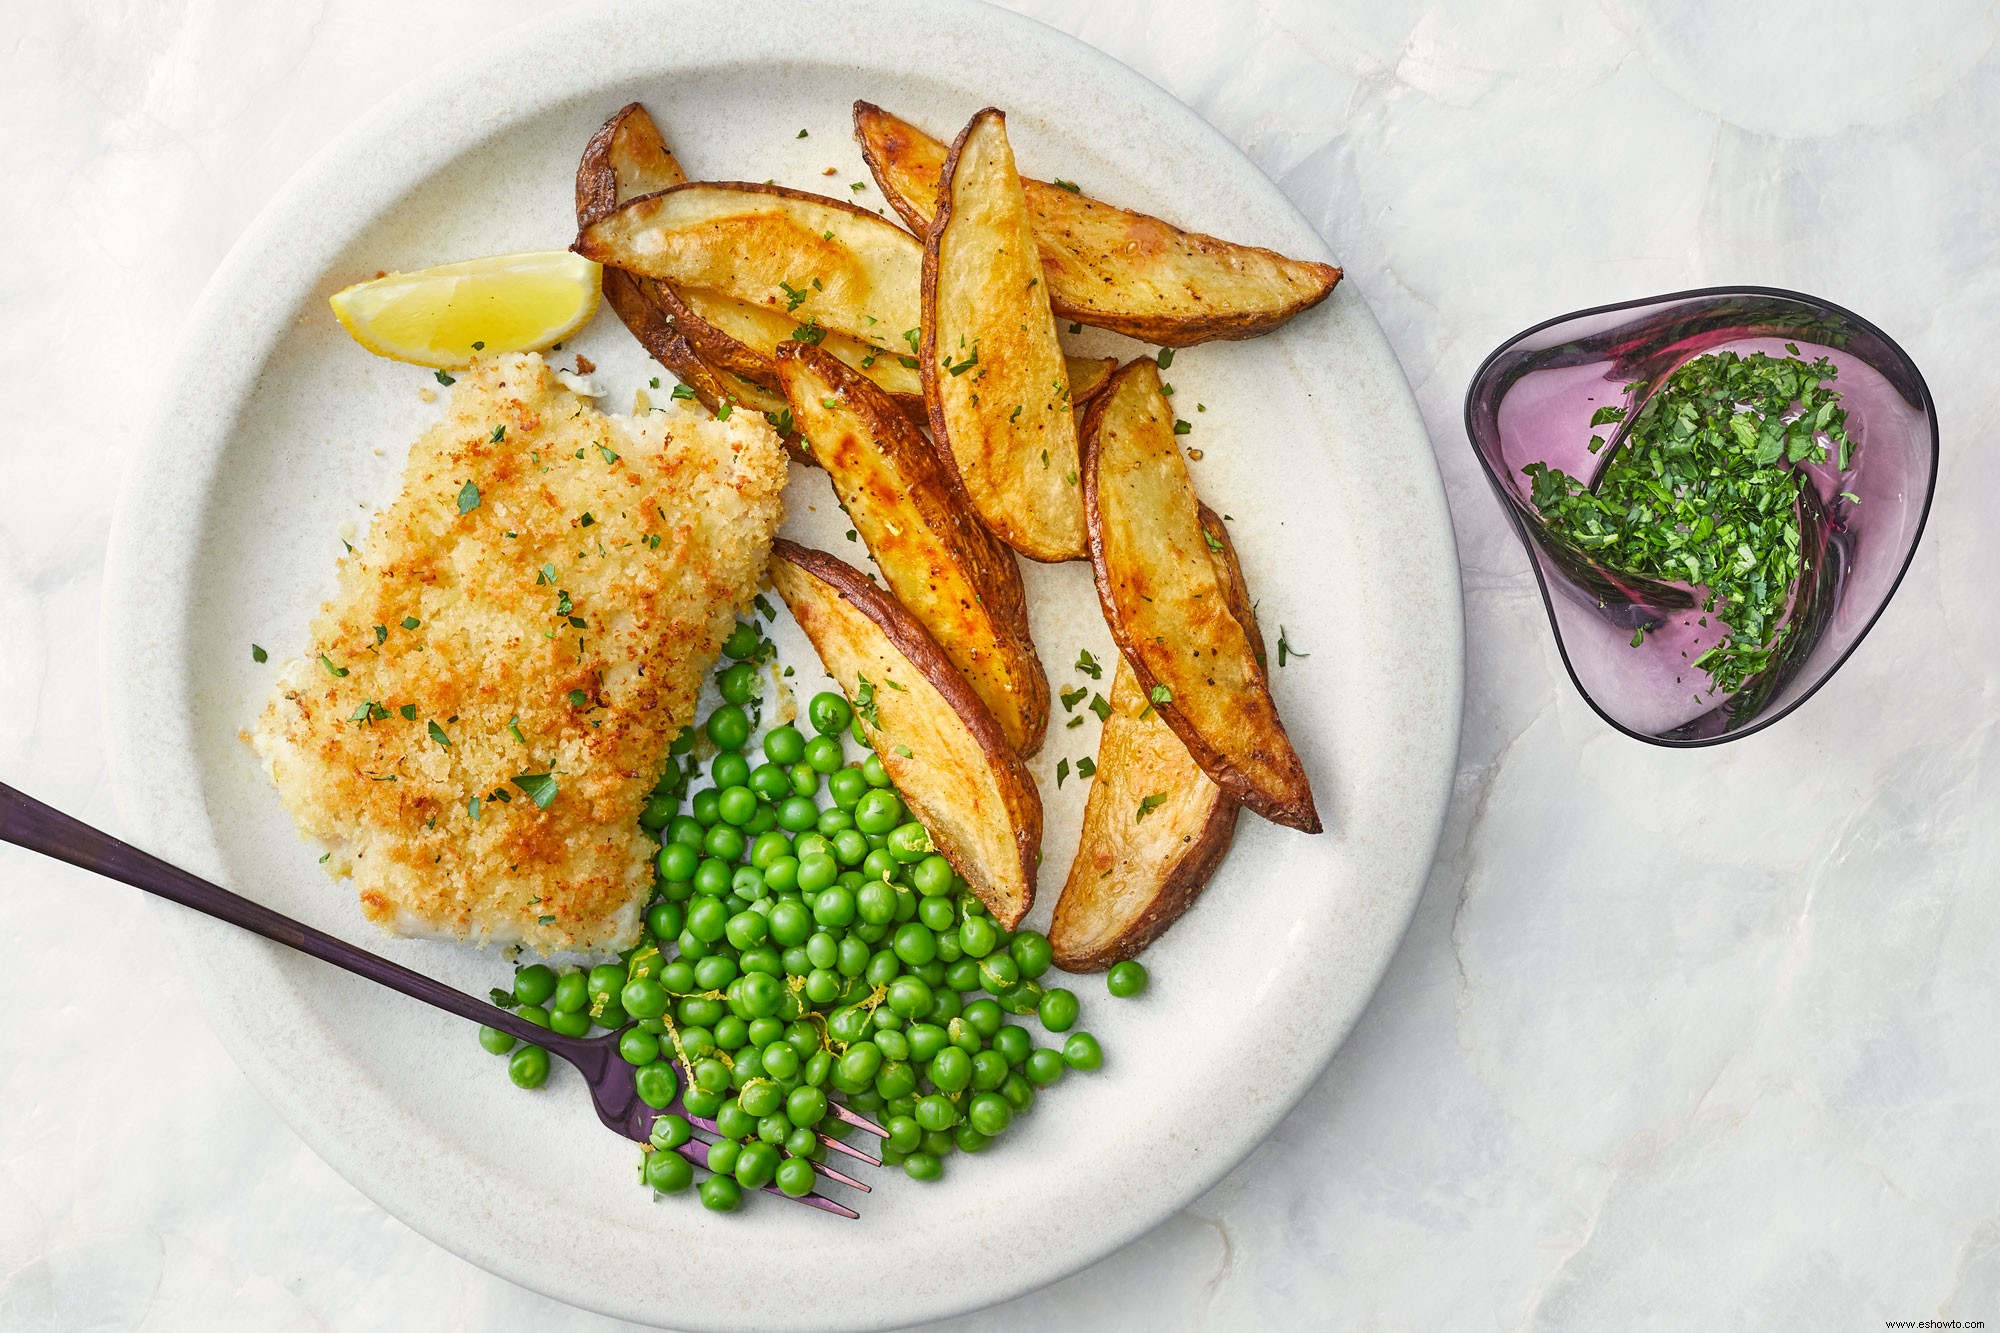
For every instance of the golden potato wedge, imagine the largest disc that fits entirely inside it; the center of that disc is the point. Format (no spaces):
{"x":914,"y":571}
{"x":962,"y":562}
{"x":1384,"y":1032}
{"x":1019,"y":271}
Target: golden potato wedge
{"x":1155,"y":826}
{"x":1087,"y":377}
{"x":942,"y":749}
{"x":1168,"y":607}
{"x":626,"y":158}
{"x":745,"y":338}
{"x":820,"y":261}
{"x":1109,"y":267}
{"x":995,"y":380}
{"x":955,"y":577}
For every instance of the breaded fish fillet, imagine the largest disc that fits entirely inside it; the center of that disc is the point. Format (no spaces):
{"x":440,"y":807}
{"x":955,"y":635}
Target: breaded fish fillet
{"x":543,"y":598}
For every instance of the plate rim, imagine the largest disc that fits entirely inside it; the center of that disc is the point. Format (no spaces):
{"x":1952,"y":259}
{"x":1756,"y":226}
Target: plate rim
{"x":156,"y":809}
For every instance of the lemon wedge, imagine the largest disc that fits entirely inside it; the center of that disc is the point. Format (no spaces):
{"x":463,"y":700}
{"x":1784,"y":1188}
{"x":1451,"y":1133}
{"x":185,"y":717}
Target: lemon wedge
{"x":445,"y":316}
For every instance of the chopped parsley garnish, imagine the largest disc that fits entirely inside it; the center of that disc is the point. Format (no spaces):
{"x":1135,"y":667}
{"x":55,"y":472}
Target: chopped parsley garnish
{"x":411,"y":622}
{"x":327,"y":662}
{"x":904,"y":751}
{"x":1088,"y":665}
{"x":479,"y":347}
{"x":682,"y":393}
{"x":850,"y":534}
{"x":445,"y":379}
{"x":370,"y":711}
{"x":911,"y":336}
{"x":810,"y":333}
{"x":468,"y":497}
{"x":971,"y":360}
{"x":1705,"y":491}
{"x":610,"y":456}
{"x":578,"y":698}
{"x":1182,"y":427}
{"x":381,"y":634}
{"x":1086,"y":767}
{"x":794,"y":296}
{"x":653,"y":383}
{"x":764,"y":608}
{"x":1100,"y":706}
{"x":587,"y":519}
{"x":1071,"y":698}
{"x":257,"y":654}
{"x":499,"y":434}
{"x":1148,"y":804}
{"x":1062,"y":772}
{"x":539,"y":788}
{"x":1071,"y":186}
{"x":802,"y":134}
{"x":437,"y":734}
{"x":1075,"y":328}
{"x":1285,"y":648}
{"x":1160,"y":694}
{"x":409,"y":712}
{"x":864,"y":701}
{"x":781,"y":420}
{"x":1210,"y":538}
{"x":728,"y":406}
{"x":1166,"y":357}
{"x":1016,"y":417}
{"x":514,"y":725}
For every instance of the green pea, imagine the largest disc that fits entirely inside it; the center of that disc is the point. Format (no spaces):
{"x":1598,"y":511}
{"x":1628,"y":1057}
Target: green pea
{"x":849,"y":847}
{"x":904,"y":1133}
{"x":936,"y":915}
{"x":802,"y":1143}
{"x":656,"y":1084}
{"x":878,"y":810}
{"x":989,"y":1070}
{"x":824,"y":755}
{"x":875,"y":902}
{"x":932,"y":878}
{"x":847,"y":787}
{"x":735,"y":806}
{"x":892,"y":1043}
{"x":728,"y":727}
{"x":1080,"y":1051}
{"x":682,"y":743}
{"x":760,"y":1097}
{"x":738,"y":682}
{"x":805,"y":1106}
{"x":923,"y":1166}
{"x":796,"y":814}
{"x":999,"y":972}
{"x":528,"y":1067}
{"x":795,"y":1177}
{"x":569,"y":1022}
{"x":644,"y":998}
{"x":533,"y":1013}
{"x":933,"y":971}
{"x":720,"y":1194}
{"x":909,"y":843}
{"x":896,"y":1079}
{"x":1044,"y":1066}
{"x":732,"y":1121}
{"x":702,"y":805}
{"x":743,"y":641}
{"x":722,"y":1157}
{"x":910,"y":997}
{"x":495,"y":1042}
{"x":687,"y":829}
{"x":946,"y":1005}
{"x":968,"y":1139}
{"x":1058,"y":1009}
{"x":701,"y":1103}
{"x":871,"y":769}
{"x":534,"y":984}
{"x":936,"y":1112}
{"x":670,"y":1131}
{"x":746,"y":930}
{"x":1031,"y":953}
{"x":636,"y":1046}
{"x":664,"y":920}
{"x":659,"y":808}
{"x":984,"y":1017}
{"x":950,"y":1069}
{"x":1020,"y":1093}
{"x":784,"y":745}
{"x":1126,"y":979}
{"x":782,"y":875}
{"x":926,"y":1040}
{"x":834,"y":907}
{"x":817,"y":872}
{"x":668,"y":1172}
{"x":829,"y":713}
{"x":707,"y":919}
{"x":977,"y":936}
{"x":963,"y":974}
{"x":572,"y":991}
{"x":914,"y":943}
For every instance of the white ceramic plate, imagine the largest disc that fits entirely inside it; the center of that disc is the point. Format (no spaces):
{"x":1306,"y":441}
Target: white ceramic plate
{"x":278,"y":436}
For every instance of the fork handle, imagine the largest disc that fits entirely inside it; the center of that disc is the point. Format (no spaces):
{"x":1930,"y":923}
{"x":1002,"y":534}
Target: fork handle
{"x":26,"y":822}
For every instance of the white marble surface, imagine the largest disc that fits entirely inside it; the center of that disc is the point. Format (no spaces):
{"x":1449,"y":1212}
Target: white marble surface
{"x":1677,"y":1040}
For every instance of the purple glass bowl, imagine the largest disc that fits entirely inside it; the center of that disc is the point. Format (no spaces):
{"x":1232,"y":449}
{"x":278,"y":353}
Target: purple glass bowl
{"x":1532,"y":401}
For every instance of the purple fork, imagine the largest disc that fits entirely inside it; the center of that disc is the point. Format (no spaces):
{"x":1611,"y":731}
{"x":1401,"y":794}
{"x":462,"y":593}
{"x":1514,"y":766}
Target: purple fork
{"x":28,"y":823}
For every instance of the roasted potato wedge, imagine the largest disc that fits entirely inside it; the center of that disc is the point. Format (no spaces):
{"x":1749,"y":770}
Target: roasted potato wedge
{"x":626,"y":158}
{"x":942,"y":749}
{"x":820,"y":261}
{"x":995,"y":380}
{"x":746,"y":338}
{"x":1087,"y":377}
{"x":955,"y":577}
{"x":1108,"y":267}
{"x":1169,"y":608}
{"x":1154,"y":829}
{"x":1155,"y":826}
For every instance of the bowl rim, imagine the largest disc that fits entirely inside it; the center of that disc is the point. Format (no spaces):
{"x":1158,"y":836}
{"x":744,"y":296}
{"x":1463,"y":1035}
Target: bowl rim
{"x":1928,"y":403}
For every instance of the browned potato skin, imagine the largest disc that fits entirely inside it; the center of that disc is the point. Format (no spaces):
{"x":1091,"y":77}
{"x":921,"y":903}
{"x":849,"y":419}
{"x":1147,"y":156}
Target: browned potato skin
{"x":958,"y":580}
{"x":1131,"y":879}
{"x":1168,"y":607}
{"x":744,"y":240}
{"x":1109,"y":267}
{"x":982,"y":794}
{"x":980,"y":278}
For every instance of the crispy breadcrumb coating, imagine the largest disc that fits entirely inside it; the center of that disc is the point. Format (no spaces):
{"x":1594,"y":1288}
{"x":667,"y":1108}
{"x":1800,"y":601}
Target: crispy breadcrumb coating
{"x":542,"y":598}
